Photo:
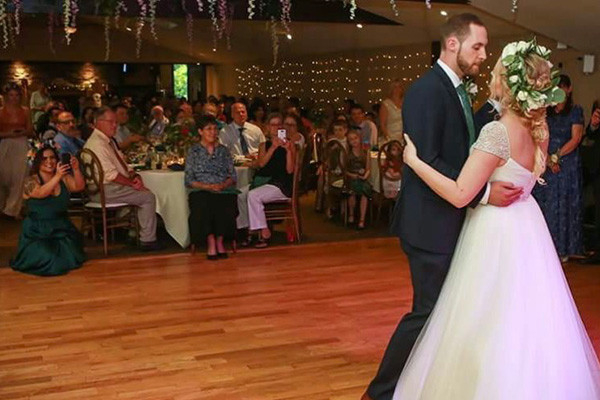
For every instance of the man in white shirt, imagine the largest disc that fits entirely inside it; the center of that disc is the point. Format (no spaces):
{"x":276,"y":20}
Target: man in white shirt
{"x":121,"y":184}
{"x":124,"y":137}
{"x":366,"y":128}
{"x":241,"y":137}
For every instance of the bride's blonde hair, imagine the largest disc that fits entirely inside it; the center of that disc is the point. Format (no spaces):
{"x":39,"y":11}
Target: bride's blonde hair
{"x":539,"y":75}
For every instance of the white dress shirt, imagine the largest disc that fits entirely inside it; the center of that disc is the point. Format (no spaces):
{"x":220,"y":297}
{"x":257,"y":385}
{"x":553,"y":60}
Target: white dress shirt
{"x":107,"y":152}
{"x":230,"y":138}
{"x":456,"y":81}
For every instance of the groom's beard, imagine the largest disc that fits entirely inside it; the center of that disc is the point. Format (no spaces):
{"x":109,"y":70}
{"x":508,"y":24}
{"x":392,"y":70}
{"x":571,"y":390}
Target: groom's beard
{"x":465,"y":67}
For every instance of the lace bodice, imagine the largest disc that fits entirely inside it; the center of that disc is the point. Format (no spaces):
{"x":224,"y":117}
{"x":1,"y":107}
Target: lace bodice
{"x":494,"y":140}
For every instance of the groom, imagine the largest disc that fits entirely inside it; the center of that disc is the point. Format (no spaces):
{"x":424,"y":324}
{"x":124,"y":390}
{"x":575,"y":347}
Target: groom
{"x":437,"y":114}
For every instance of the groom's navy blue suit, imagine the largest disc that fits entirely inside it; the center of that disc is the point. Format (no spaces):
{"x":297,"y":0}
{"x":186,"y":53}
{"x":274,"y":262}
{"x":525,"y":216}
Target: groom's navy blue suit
{"x":426,"y":224}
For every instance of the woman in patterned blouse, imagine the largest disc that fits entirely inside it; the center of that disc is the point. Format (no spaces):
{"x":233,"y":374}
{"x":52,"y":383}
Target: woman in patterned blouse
{"x":210,"y":173}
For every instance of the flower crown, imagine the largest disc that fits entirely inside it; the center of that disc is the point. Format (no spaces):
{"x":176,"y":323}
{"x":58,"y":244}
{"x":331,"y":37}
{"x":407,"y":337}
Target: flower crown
{"x":530,"y":95}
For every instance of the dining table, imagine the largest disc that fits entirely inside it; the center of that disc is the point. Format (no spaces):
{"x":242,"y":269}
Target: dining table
{"x":171,"y":194}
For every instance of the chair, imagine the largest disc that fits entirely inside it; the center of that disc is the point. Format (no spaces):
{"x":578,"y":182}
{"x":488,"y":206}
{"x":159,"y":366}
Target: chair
{"x":96,"y":204}
{"x":289,"y":209}
{"x":384,"y":154}
{"x":334,"y":170}
{"x":318,"y":151}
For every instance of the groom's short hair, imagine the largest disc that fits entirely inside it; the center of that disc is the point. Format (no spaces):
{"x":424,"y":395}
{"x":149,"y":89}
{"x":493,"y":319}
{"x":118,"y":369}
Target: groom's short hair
{"x":459,"y":26}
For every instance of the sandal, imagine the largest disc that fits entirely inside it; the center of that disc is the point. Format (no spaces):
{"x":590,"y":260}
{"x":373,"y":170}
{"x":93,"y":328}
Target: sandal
{"x":361,"y":225}
{"x":262,"y":243}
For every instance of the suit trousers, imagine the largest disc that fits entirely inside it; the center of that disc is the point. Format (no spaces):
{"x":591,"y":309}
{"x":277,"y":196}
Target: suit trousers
{"x":428,"y":272}
{"x":143,"y":199}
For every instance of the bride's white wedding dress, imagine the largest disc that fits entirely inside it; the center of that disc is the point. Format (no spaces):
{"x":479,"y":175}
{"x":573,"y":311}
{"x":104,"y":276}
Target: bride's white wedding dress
{"x":505,"y":326}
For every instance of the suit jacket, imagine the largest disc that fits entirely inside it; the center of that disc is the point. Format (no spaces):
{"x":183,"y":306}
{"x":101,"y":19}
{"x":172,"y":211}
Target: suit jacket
{"x":486,"y":114}
{"x":434,"y":119}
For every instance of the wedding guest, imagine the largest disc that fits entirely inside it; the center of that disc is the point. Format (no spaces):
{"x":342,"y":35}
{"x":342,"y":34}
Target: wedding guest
{"x":15,"y":128}
{"x":121,"y":184}
{"x":209,"y":172}
{"x":561,"y":197}
{"x":68,"y":138}
{"x":332,"y":181}
{"x":258,"y":114}
{"x":294,"y":129}
{"x":124,"y":137}
{"x":86,"y":127}
{"x":159,"y":122}
{"x":51,"y":129}
{"x":592,"y":134}
{"x":338,"y":131}
{"x":211,"y":109}
{"x":38,"y":102}
{"x":390,"y":113}
{"x":241,"y":137}
{"x":273,"y":181}
{"x":358,"y":172}
{"x":488,"y":112}
{"x":392,"y":171}
{"x":366,"y":128}
{"x":49,"y":244}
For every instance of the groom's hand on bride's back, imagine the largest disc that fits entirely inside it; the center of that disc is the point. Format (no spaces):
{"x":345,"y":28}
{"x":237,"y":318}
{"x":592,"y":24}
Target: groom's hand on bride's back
{"x":503,"y":194}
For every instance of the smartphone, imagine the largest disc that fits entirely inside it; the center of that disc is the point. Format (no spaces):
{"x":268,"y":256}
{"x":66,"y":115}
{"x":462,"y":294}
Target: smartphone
{"x":65,"y":159}
{"x":282,"y":135}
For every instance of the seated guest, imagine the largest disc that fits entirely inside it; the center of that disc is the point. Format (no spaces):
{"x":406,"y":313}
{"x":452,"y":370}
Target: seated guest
{"x":86,"y":127}
{"x":124,"y":137}
{"x":159,"y":122}
{"x":51,"y":130}
{"x":121,"y":184}
{"x":211,"y":108}
{"x":359,"y":169}
{"x":339,"y":130}
{"x":67,"y":140}
{"x":273,"y":181}
{"x":392,"y":171}
{"x":49,"y":243}
{"x":366,"y":128}
{"x":294,"y":129}
{"x":209,"y":172}
{"x":241,"y":137}
{"x":257,"y":114}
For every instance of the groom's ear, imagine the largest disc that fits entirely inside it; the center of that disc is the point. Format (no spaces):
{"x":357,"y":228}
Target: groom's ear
{"x":452,"y":44}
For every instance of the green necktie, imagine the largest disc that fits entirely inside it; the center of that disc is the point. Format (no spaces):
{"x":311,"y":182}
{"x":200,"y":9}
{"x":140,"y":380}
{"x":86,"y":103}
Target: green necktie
{"x":466,"y":105}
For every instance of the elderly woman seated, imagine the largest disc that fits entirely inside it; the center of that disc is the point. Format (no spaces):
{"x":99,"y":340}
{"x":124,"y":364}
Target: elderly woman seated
{"x":273,"y":181}
{"x":209,"y":172}
{"x":49,"y":243}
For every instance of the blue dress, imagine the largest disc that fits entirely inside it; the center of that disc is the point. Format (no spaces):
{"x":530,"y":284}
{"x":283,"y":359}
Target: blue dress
{"x":561,"y":199}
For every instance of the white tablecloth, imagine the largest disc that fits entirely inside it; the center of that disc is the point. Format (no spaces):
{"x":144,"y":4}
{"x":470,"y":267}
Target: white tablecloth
{"x":172,"y":199}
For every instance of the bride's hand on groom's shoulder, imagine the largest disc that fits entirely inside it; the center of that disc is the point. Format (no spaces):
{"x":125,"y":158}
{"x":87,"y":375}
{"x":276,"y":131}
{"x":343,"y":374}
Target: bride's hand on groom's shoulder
{"x":410,"y":151}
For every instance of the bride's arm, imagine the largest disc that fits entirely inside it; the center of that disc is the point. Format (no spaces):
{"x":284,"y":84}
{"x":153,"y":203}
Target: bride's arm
{"x":474,"y":175}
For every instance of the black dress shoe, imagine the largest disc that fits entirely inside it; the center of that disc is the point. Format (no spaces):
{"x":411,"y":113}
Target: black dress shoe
{"x":151,"y":246}
{"x":223,"y":255}
{"x":212,"y":257}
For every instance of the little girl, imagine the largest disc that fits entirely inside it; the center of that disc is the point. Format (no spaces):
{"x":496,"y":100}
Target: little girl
{"x":392,"y":171}
{"x":358,"y":171}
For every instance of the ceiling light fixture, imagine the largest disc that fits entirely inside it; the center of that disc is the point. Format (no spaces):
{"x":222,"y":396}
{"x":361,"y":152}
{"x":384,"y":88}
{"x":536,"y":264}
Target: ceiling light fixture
{"x":359,"y":26}
{"x":444,"y":13}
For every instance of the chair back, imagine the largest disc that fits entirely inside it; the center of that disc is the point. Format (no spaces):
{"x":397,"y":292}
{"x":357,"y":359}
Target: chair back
{"x":318,"y":146}
{"x":297,"y":174}
{"x":384,"y":155}
{"x":93,"y":175}
{"x":335,"y":163}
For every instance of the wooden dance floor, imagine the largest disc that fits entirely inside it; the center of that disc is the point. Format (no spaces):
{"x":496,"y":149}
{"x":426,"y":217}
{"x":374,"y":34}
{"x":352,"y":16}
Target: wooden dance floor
{"x":296,"y":322}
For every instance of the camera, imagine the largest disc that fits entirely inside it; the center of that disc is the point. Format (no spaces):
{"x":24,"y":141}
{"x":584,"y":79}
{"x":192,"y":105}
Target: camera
{"x":65,"y":159}
{"x":282,"y":135}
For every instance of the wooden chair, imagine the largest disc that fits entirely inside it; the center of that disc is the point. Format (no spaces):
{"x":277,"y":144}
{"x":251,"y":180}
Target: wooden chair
{"x":289,"y":209}
{"x":334,"y":171}
{"x":318,"y":153}
{"x":98,"y":207}
{"x":384,"y":154}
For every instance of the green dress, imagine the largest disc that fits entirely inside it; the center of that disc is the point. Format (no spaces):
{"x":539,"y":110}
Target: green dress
{"x":49,"y":243}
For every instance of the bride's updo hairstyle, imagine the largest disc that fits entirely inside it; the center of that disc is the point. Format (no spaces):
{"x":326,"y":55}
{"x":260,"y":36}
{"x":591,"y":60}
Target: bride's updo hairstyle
{"x":523,"y":81}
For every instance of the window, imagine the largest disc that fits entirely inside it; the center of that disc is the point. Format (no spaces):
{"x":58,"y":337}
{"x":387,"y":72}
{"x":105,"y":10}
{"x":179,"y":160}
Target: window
{"x":180,"y":80}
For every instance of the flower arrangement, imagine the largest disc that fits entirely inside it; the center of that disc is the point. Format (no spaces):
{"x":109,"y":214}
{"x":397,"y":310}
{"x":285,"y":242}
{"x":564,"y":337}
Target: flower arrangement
{"x":530,"y":95}
{"x":471,"y":88}
{"x":180,"y":135}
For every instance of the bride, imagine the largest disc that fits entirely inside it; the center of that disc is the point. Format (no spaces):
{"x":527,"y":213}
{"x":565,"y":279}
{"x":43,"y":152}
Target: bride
{"x":505,"y":326}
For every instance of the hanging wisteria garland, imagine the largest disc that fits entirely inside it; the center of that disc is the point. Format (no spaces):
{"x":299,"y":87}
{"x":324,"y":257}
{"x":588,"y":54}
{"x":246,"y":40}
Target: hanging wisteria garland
{"x":119,"y":8}
{"x":51,"y":32}
{"x":139,"y":27}
{"x":106,"y":37}
{"x":152,"y":13}
{"x":70,"y":9}
{"x":272,"y":25}
{"x":18,"y":9}
{"x":4,"y":22}
{"x":515,"y":6}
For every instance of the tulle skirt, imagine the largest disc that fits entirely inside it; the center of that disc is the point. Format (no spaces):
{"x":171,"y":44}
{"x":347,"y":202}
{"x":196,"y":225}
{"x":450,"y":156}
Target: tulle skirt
{"x":505,"y":326}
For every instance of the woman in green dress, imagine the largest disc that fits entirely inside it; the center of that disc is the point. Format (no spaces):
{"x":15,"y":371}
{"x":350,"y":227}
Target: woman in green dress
{"x":49,"y":243}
